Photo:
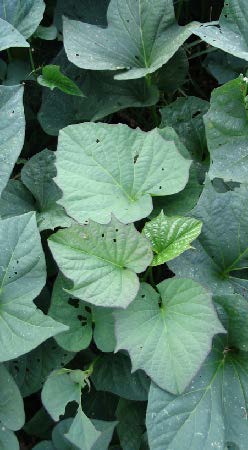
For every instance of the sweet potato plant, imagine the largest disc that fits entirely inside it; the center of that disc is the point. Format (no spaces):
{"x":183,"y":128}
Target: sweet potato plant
{"x":123,"y":225}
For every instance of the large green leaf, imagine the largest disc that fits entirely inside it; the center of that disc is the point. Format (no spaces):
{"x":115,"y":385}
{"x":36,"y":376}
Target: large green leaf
{"x":170,"y":236}
{"x":12,"y":129}
{"x":10,"y":37}
{"x":211,"y":413}
{"x":104,"y":328}
{"x":22,"y":276}
{"x":222,"y":248}
{"x":15,"y":200}
{"x":112,"y":373}
{"x":11,"y":404}
{"x":121,"y":168}
{"x":224,"y":67}
{"x":8,"y":439}
{"x":24,"y":15}
{"x":231,"y":34}
{"x":102,"y":261}
{"x":227,"y":132}
{"x":104,"y":96}
{"x":72,"y":313}
{"x":141,"y":36}
{"x":169,"y":341}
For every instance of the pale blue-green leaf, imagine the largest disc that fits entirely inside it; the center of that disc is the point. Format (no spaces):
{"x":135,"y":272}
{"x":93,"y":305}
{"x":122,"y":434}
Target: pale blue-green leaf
{"x":171,"y":341}
{"x":82,"y":432}
{"x":22,"y":276}
{"x":227,"y":131}
{"x":120,"y":178}
{"x":222,"y":247}
{"x":170,"y":236}
{"x":104,"y":332}
{"x":17,"y":72}
{"x":149,"y":30}
{"x":104,"y":96}
{"x":46,"y":33}
{"x":12,"y":413}
{"x":58,"y":390}
{"x":102,"y":261}
{"x":231,"y":33}
{"x":10,"y":37}
{"x":12,"y":129}
{"x":30,"y":371}
{"x":15,"y":200}
{"x":72,"y":313}
{"x":45,"y":445}
{"x":106,"y":429}
{"x":8,"y":440}
{"x":112,"y":373}
{"x":224,"y":67}
{"x":24,"y":15}
{"x":211,"y":413}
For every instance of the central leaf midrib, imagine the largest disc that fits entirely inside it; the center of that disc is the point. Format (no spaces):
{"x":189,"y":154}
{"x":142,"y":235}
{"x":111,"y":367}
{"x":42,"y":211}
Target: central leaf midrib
{"x":91,"y":254}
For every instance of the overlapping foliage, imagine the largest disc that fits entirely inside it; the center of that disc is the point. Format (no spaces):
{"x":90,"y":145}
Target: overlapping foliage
{"x":123,"y":242}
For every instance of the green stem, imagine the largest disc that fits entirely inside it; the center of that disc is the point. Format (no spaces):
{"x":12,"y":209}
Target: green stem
{"x":32,"y":62}
{"x":203,"y":52}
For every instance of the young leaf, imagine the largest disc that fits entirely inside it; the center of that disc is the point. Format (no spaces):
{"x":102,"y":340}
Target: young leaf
{"x":170,"y":236}
{"x":58,"y":390}
{"x":22,"y":276}
{"x":53,"y":78}
{"x":12,"y":413}
{"x":37,"y":175}
{"x":112,"y":373}
{"x":104,"y":96}
{"x":82,"y":432}
{"x":227,"y":131}
{"x":12,"y":128}
{"x":230,"y":35}
{"x":149,"y":30}
{"x":102,"y":261}
{"x":121,"y":167}
{"x":211,"y":413}
{"x":72,"y":313}
{"x":222,"y":247}
{"x":24,"y":15}
{"x":170,"y":341}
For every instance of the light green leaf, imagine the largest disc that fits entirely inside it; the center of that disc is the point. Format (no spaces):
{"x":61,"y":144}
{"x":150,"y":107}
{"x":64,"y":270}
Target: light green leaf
{"x":46,"y":33}
{"x":58,"y":390}
{"x":235,"y":308}
{"x":112,"y":373}
{"x":227,"y":131}
{"x":131,"y":424}
{"x":104,"y":332}
{"x":222,"y":247}
{"x":170,"y":236}
{"x":73,"y":314}
{"x":44,"y":445}
{"x":231,"y":33}
{"x":121,"y":177}
{"x":185,"y":115}
{"x":24,"y":15}
{"x":58,"y":436}
{"x":12,"y":129}
{"x":37,"y":175}
{"x":211,"y":413}
{"x":11,"y":404}
{"x":82,"y":432}
{"x":149,"y":30}
{"x":102,"y":261}
{"x":53,"y":78}
{"x":169,"y":341}
{"x":31,"y":370}
{"x":7,"y":438}
{"x":15,"y":200}
{"x":224,"y":67}
{"x":22,"y":276}
{"x":104,"y":96}
{"x":10,"y":37}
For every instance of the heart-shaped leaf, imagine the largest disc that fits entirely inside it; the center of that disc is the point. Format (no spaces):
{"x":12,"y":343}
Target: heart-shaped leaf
{"x":12,"y":413}
{"x":169,"y":341}
{"x":148,"y":29}
{"x":102,"y":261}
{"x":121,"y":168}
